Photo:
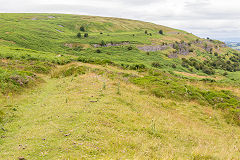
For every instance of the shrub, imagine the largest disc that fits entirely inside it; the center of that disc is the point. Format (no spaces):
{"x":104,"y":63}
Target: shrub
{"x":78,"y":48}
{"x":185,"y":64}
{"x":176,"y":46}
{"x":208,"y":70}
{"x":130,"y":48}
{"x":161,"y":32}
{"x":137,"y":66}
{"x":86,"y":35}
{"x":157,"y":65}
{"x":191,"y":50}
{"x":79,"y":35}
{"x":190,"y":69}
{"x":82,"y":29}
{"x":103,"y":43}
{"x":98,"y":51}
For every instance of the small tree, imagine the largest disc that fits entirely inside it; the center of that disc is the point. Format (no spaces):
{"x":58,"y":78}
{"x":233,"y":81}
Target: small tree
{"x":79,"y":35}
{"x":98,"y":51}
{"x":130,"y":48}
{"x":161,"y":32}
{"x":211,"y":50}
{"x":82,"y":29}
{"x":86,"y":35}
{"x":146,"y":32}
{"x":103,"y":43}
{"x":176,"y":46}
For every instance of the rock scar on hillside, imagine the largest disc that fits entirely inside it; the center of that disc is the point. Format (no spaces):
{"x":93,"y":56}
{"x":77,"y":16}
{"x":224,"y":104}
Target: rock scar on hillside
{"x":58,"y":30}
{"x":111,"y":44}
{"x":151,"y":48}
{"x":51,"y":17}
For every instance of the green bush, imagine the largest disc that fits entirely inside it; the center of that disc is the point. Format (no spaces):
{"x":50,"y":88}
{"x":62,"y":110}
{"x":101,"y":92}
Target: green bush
{"x":86,"y":35}
{"x":161,"y":32}
{"x":157,"y":65}
{"x":79,"y":35}
{"x":82,"y":29}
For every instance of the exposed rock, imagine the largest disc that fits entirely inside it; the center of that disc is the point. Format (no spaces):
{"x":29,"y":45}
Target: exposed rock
{"x":111,"y":44}
{"x":174,"y":55}
{"x":73,"y":45}
{"x":151,"y":48}
{"x":51,"y":17}
{"x":58,"y":30}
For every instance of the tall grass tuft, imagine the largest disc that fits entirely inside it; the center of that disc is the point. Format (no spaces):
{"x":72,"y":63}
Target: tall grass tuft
{"x":118,"y":89}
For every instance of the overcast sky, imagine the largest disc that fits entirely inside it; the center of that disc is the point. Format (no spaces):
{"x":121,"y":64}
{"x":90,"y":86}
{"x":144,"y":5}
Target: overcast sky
{"x":218,"y":19}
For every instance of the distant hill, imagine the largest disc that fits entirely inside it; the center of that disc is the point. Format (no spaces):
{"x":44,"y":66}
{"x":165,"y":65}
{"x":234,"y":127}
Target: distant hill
{"x":234,"y":45}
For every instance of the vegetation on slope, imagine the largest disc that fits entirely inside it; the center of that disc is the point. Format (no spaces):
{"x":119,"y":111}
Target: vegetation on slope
{"x":101,"y":115}
{"x":142,"y":91}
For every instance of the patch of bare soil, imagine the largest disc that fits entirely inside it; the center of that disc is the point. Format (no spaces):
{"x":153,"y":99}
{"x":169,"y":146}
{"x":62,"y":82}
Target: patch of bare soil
{"x":74,"y":45}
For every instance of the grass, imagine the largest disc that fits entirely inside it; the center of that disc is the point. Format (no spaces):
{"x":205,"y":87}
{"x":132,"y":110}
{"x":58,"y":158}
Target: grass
{"x":96,"y":123}
{"x":62,"y":98}
{"x":169,"y":87}
{"x":33,"y":55}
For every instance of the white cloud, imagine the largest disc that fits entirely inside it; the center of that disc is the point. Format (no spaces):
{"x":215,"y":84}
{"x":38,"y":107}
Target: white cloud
{"x":214,"y":18}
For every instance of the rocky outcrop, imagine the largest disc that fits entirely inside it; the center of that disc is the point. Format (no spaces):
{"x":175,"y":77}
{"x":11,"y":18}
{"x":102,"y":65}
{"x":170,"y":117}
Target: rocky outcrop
{"x":111,"y":44}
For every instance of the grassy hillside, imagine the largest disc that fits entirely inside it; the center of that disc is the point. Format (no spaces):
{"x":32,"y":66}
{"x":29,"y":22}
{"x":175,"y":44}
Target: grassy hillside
{"x":81,"y":87}
{"x":119,"y":41}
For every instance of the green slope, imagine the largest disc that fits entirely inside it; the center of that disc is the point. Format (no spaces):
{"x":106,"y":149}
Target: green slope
{"x":57,"y":33}
{"x":138,"y":94}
